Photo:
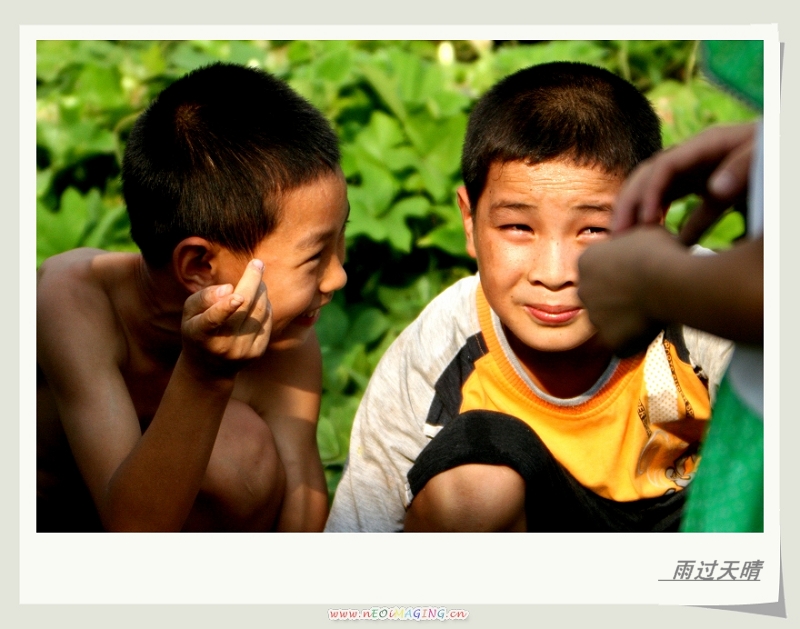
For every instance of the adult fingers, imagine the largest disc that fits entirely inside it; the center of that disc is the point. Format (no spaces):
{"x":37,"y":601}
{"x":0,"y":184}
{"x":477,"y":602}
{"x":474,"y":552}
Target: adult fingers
{"x":726,"y":185}
{"x":630,"y":202}
{"x":730,"y":180}
{"x":653,"y":186}
{"x":646,"y":195}
{"x":680,"y":170}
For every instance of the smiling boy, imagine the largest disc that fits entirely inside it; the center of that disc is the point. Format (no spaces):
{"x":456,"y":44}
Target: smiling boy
{"x":498,"y":409}
{"x":178,"y":389}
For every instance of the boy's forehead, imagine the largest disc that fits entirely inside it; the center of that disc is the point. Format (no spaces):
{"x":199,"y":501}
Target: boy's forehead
{"x":314,"y":207}
{"x":564,"y":163}
{"x":559,"y":175}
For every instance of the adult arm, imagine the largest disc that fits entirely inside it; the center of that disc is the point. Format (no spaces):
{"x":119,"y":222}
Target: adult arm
{"x":642,"y":278}
{"x":634,"y":283}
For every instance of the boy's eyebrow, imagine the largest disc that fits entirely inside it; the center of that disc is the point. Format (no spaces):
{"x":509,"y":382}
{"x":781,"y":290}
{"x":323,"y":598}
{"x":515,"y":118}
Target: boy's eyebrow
{"x":595,"y":207}
{"x":521,"y":206}
{"x":512,"y":205}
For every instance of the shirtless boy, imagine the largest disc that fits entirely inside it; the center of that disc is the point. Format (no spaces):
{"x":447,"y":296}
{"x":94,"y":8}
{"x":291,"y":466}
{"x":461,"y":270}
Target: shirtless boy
{"x":178,"y":389}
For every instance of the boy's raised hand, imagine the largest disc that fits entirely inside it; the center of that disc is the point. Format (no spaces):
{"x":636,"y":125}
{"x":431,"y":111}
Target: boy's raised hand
{"x":714,"y":165}
{"x":224,"y":328}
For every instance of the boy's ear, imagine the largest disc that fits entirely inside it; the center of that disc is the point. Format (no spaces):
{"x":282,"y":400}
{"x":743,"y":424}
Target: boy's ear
{"x":466,"y":218}
{"x":195,"y":262}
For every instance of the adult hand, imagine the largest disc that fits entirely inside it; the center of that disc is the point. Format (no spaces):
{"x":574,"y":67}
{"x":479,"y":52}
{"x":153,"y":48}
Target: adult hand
{"x":224,"y":328}
{"x":714,"y":165}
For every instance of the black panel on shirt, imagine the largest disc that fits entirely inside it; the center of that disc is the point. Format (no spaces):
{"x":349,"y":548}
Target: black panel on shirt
{"x":554,"y":500}
{"x":447,"y":399}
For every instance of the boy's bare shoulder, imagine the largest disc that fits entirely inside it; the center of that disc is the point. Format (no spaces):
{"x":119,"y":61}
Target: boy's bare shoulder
{"x":77,"y":294}
{"x":83,"y":273}
{"x":83,"y":267}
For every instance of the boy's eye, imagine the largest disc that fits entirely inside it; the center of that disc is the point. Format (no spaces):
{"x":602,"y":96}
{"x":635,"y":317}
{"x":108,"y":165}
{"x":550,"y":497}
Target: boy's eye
{"x":516,"y":227}
{"x":596,"y":230}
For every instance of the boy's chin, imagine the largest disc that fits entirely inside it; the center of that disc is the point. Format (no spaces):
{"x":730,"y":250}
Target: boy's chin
{"x":553,"y":343}
{"x":289,"y":339}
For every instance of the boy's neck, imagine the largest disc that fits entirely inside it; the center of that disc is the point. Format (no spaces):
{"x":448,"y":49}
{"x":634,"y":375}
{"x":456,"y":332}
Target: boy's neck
{"x":565,"y":374}
{"x":159,"y":307}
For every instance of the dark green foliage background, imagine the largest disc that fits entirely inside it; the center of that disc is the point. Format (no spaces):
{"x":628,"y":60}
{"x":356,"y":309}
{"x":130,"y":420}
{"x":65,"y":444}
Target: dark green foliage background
{"x":400,"y":108}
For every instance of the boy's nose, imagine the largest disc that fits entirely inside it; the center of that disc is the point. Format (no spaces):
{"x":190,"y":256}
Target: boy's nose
{"x":554,"y":266}
{"x":335,"y":276}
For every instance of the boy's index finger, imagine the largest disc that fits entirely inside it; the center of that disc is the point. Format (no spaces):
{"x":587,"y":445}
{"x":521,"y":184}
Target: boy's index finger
{"x":206,"y":298}
{"x":250,"y":281}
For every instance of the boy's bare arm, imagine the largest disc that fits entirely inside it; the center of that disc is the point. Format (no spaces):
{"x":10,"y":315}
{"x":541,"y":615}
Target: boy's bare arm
{"x":150,"y":481}
{"x":286,"y":389}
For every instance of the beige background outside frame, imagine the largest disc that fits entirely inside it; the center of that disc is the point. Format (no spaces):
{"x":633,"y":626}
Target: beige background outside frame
{"x":374,"y":565}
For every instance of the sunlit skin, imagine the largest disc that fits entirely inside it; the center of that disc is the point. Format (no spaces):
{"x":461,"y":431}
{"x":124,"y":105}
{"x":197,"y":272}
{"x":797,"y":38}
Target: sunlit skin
{"x":204,"y":371}
{"x":531,"y":225}
{"x":302,"y":258}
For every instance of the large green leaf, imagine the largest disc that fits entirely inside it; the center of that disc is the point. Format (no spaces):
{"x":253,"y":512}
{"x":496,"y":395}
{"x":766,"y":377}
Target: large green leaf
{"x":336,"y":66}
{"x":62,"y":230}
{"x":448,"y":237}
{"x":367,"y":327}
{"x":381,"y":134}
{"x":417,"y":80}
{"x":386,"y":88}
{"x":106,"y":232}
{"x":378,"y":185}
{"x":100,"y":88}
{"x":332,"y":325}
{"x":327,"y":440}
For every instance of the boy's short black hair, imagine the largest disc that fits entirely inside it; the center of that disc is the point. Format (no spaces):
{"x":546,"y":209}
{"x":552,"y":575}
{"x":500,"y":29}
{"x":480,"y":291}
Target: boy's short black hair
{"x":212,"y":154}
{"x":554,"y":110}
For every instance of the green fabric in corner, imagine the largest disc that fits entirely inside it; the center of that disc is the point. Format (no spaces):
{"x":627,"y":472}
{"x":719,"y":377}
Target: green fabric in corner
{"x":736,"y":66}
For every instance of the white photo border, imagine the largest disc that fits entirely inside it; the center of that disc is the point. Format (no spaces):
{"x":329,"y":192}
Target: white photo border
{"x":452,"y":570}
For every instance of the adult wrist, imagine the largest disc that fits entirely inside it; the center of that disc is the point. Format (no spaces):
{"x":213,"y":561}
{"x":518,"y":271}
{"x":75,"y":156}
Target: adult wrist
{"x":661,"y":269}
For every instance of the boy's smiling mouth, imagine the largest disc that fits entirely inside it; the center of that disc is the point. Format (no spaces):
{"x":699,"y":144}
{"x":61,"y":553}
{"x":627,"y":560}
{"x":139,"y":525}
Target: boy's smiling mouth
{"x":309,"y":317}
{"x":554,"y":315}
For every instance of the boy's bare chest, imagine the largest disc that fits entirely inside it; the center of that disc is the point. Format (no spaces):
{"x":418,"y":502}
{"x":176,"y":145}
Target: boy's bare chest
{"x":146,"y":387}
{"x":147,"y":379}
{"x":146,"y":390}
